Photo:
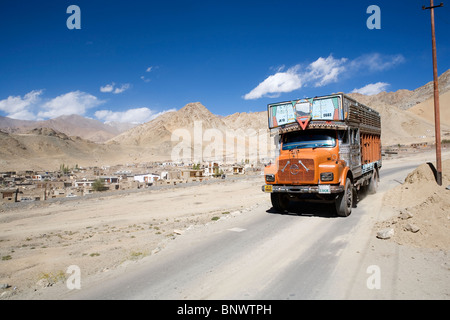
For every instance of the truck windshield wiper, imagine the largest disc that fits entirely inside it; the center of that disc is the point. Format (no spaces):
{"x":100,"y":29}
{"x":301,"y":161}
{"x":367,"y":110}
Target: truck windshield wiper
{"x":318,"y":145}
{"x":306,"y":145}
{"x":296,"y":147}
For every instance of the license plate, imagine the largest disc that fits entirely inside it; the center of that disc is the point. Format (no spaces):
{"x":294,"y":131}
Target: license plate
{"x":268,"y":188}
{"x":324,"y":188}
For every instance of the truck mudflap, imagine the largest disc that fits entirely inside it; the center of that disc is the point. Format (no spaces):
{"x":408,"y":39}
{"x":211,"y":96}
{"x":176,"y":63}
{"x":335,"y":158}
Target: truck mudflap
{"x":321,"y":189}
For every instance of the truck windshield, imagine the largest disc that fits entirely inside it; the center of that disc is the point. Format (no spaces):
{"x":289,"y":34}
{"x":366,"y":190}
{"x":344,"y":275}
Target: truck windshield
{"x":309,"y":139}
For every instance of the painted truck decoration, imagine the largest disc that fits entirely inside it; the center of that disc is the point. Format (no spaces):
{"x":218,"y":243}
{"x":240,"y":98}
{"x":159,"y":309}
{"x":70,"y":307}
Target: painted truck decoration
{"x":329,"y":148}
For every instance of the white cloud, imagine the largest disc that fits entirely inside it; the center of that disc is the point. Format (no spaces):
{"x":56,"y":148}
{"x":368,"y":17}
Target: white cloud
{"x":377,"y":62}
{"x":325,"y":71}
{"x":107,"y":88}
{"x":149,"y":69}
{"x":136,"y":115}
{"x":111,"y":88}
{"x":75,"y":102}
{"x":275,"y":84}
{"x":17,"y":107}
{"x":372,"y":88}
{"x":321,"y":72}
{"x":122,"y":88}
{"x":22,"y":115}
{"x":279,"y":68}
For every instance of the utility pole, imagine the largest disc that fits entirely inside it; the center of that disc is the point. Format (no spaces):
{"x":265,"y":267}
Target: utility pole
{"x":437,"y":123}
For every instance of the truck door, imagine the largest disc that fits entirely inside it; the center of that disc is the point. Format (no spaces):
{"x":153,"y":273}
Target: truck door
{"x":355,"y":152}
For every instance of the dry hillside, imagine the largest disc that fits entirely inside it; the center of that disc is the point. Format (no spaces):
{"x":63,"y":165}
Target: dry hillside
{"x":71,"y":125}
{"x":47,"y":149}
{"x":255,"y":120}
{"x":425,"y":109}
{"x":404,"y":99}
{"x":160,"y":129}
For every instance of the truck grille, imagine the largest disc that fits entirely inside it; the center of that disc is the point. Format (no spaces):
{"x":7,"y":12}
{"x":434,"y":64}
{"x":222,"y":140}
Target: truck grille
{"x":296,"y":171}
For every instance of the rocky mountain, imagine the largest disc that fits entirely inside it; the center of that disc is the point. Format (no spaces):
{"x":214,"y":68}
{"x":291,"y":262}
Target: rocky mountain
{"x":157,"y":138}
{"x":254,"y":120}
{"x":72,"y":125}
{"x":161,"y":128}
{"x":425,"y":92}
{"x":405,"y":99}
{"x":425,"y":109}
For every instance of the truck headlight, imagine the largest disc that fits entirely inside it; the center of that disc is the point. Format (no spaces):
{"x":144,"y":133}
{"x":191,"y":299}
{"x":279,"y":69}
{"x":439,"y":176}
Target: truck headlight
{"x":270,"y":178}
{"x":327,"y":176}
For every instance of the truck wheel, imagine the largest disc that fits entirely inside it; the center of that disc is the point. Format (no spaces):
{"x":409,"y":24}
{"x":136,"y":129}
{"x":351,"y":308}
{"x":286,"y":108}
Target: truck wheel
{"x":373,"y":183}
{"x":344,"y":201}
{"x":280,"y":201}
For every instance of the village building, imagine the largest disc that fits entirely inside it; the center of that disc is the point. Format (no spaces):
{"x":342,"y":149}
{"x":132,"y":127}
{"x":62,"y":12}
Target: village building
{"x":238,"y":169}
{"x":31,"y":185}
{"x":148,"y":178}
{"x":109,"y":179}
{"x":192,"y":175}
{"x":170,"y":175}
{"x":212,"y":169}
{"x":83,"y":183}
{"x":9,"y":195}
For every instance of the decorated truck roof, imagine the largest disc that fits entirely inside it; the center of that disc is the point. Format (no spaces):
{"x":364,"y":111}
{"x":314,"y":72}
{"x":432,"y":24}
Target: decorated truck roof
{"x":336,"y":111}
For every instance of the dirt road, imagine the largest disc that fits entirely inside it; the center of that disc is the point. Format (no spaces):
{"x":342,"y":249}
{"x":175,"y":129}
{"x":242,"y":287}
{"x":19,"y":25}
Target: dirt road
{"x":216,"y":241}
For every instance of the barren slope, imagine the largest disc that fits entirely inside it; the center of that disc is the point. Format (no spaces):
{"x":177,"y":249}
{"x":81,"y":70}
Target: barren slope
{"x":47,"y":149}
{"x":426,"y":109}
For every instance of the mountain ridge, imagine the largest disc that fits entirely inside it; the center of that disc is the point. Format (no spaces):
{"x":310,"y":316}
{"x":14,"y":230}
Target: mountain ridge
{"x":406,"y":117}
{"x":72,"y":125}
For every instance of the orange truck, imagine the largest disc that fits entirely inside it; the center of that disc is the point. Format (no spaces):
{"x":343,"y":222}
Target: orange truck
{"x":328,"y":148}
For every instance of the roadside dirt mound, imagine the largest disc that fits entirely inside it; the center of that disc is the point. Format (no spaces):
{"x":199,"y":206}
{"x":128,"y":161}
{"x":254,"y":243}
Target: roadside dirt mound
{"x":423,"y":210}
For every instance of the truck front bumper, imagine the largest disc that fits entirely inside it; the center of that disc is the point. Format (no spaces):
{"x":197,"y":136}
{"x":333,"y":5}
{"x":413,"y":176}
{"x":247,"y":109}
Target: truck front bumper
{"x":320,"y":189}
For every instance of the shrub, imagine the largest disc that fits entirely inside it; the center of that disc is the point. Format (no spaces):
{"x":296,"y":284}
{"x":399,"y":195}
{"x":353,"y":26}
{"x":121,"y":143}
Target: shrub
{"x":98,"y":185}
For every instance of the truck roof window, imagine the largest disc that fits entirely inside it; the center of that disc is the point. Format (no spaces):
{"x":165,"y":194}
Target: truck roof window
{"x":309,"y":139}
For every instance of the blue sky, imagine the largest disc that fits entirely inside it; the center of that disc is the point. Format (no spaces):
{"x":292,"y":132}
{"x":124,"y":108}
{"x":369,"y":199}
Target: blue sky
{"x":132,"y":60}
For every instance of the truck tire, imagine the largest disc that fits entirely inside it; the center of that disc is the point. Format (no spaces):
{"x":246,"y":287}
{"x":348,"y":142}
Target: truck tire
{"x":344,"y":201}
{"x":373,"y":183}
{"x":280,"y":201}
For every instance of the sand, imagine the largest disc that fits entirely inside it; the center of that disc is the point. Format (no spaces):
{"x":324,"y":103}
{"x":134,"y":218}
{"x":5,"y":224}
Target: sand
{"x":39,"y":241}
{"x":421,"y":209}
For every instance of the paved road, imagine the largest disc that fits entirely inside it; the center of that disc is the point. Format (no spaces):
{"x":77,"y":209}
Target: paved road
{"x":306,"y":254}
